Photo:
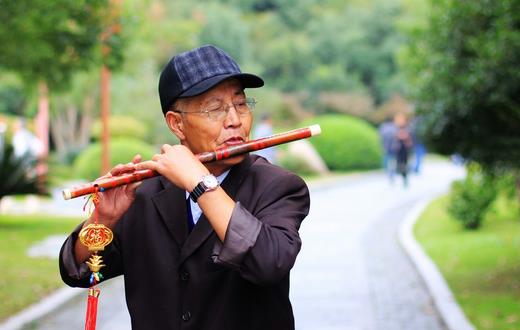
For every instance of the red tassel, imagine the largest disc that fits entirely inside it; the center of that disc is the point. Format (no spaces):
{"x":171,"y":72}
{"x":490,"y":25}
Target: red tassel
{"x":90,"y":322}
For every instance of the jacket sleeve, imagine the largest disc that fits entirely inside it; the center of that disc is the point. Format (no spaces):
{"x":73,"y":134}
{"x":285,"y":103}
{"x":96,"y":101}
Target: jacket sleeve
{"x":263,"y":246}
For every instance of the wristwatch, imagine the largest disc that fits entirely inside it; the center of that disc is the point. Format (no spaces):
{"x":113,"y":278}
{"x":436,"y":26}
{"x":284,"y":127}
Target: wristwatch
{"x":207,"y":183}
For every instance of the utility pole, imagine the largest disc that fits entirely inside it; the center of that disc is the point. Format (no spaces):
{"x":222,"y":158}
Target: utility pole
{"x":41,"y":124}
{"x":113,"y":27}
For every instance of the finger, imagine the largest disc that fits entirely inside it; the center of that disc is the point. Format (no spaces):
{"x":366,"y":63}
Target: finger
{"x":156,"y":157}
{"x":115,"y":170}
{"x":165,"y":147}
{"x":108,"y":175}
{"x":123,"y":168}
{"x":148,"y":165}
{"x":137,"y":159}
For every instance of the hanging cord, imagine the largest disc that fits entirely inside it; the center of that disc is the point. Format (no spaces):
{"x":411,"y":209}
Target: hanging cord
{"x":95,"y":237}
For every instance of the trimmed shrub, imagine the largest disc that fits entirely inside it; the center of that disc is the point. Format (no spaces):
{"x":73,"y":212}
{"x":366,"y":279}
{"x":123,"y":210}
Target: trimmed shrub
{"x":471,"y":197}
{"x":122,"y":150}
{"x":122,"y":126}
{"x":347,"y":143}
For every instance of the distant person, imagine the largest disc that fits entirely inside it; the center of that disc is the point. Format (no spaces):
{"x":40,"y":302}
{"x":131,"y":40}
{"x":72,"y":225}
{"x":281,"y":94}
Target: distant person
{"x":25,"y":144}
{"x":387,"y":134}
{"x":263,"y":129}
{"x":419,"y":149}
{"x":402,"y":145}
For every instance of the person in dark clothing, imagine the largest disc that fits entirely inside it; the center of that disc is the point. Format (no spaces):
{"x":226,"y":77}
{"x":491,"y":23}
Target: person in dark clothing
{"x":387,"y":134}
{"x":402,"y":145}
{"x":203,"y":246}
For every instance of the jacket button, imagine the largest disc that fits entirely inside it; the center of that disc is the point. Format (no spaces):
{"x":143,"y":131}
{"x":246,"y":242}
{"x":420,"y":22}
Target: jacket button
{"x":186,"y":316}
{"x":185,"y":276}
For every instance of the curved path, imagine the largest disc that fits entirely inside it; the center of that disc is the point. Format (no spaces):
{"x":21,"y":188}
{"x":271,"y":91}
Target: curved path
{"x":351,"y":272}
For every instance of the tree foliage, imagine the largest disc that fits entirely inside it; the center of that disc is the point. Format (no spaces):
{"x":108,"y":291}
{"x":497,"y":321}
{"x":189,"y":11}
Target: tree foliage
{"x":467,"y":71}
{"x":49,"y":40}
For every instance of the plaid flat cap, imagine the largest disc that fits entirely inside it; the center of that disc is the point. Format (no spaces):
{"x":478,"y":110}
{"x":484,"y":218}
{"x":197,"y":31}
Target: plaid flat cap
{"x":198,"y":70}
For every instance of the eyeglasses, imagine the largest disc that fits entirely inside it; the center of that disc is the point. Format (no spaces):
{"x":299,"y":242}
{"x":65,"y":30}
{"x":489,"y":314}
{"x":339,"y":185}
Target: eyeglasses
{"x":219,"y":111}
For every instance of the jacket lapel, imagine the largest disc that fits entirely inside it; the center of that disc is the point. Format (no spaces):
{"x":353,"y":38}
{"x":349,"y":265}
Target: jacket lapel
{"x":170,"y":203}
{"x":203,"y":229}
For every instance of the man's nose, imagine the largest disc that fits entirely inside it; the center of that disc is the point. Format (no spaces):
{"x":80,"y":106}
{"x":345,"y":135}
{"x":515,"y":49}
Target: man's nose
{"x":233,"y":118}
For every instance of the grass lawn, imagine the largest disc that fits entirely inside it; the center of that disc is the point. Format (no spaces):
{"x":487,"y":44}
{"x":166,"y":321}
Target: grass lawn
{"x":25,"y":280}
{"x":482,"y":267}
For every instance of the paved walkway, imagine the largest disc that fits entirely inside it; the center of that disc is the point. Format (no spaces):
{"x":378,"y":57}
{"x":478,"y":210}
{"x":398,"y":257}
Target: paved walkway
{"x":351,"y":272}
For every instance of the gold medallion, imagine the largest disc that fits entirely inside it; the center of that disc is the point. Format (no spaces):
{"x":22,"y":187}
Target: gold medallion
{"x":95,"y":237}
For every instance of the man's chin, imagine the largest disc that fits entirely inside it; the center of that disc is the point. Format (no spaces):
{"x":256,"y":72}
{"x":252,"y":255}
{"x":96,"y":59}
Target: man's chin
{"x":232,"y":161}
{"x":225,"y":164}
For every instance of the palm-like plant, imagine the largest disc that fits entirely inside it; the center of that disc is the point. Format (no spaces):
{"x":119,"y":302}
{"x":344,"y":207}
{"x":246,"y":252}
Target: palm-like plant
{"x":17,"y":175}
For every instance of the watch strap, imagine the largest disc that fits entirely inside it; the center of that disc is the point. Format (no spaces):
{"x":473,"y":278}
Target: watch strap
{"x":204,"y":186}
{"x":197,"y":191}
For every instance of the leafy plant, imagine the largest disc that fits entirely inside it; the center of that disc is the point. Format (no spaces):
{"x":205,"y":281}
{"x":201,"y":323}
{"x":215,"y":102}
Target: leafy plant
{"x":471,"y":197}
{"x":17,"y":175}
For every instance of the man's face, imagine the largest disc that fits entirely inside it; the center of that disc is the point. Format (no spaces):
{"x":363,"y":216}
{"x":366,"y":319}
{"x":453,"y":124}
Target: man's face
{"x":201,"y":133}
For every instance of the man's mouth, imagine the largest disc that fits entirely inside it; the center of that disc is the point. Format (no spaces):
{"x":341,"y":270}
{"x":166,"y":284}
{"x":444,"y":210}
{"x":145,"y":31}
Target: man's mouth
{"x":233,"y":141}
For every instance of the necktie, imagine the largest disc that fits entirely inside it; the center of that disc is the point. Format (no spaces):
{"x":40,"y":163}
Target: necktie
{"x":189,"y":217}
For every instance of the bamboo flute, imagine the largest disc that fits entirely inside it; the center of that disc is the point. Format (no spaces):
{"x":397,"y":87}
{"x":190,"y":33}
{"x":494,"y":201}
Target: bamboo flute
{"x":205,"y":157}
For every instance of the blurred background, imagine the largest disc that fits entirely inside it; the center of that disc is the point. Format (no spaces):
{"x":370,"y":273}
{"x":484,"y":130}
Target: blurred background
{"x":388,"y":81}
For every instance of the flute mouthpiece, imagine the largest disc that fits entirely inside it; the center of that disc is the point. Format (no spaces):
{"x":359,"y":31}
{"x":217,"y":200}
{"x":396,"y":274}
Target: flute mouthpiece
{"x":315,"y":129}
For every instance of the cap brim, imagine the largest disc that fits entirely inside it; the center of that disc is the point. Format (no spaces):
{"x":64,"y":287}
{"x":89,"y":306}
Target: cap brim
{"x":246,"y":79}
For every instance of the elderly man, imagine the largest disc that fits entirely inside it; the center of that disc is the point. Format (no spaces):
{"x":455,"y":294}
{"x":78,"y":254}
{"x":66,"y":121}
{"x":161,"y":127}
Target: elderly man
{"x":203,"y":246}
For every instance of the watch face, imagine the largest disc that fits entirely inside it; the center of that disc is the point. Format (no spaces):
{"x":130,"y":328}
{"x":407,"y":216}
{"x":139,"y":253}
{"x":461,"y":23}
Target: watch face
{"x":210,"y":181}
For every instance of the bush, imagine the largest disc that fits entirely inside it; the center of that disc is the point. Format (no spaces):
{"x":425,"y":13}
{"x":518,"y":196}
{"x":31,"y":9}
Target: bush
{"x":347,"y":143}
{"x":122,"y":150}
{"x":471,"y":197}
{"x":17,"y":175}
{"x":120,"y":127}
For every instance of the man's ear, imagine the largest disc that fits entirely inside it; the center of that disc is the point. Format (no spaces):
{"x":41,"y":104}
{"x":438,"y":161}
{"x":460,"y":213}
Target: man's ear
{"x":175,"y":123}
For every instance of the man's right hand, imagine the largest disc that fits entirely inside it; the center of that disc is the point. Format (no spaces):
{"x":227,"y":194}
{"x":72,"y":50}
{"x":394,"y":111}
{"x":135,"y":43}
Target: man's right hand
{"x":113,"y":203}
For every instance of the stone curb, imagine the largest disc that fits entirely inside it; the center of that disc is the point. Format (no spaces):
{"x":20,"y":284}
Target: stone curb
{"x":443,"y":298}
{"x":41,"y":308}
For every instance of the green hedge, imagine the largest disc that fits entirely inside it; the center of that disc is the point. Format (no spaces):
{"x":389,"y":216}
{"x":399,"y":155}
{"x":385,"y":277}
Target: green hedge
{"x":122,"y":150}
{"x":347,"y":143}
{"x":122,"y":126}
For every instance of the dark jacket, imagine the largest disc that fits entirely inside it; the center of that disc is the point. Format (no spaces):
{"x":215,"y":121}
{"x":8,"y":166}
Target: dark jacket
{"x":178,"y":281}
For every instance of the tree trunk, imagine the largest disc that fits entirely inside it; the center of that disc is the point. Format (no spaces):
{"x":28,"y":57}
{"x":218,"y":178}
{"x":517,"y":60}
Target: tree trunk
{"x":57,"y":129}
{"x":42,"y":118}
{"x":86,"y":121}
{"x":71,"y":128}
{"x":105,"y":115}
{"x":42,"y":131}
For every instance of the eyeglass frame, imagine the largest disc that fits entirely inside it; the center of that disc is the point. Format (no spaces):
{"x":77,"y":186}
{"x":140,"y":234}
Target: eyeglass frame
{"x":250,"y":104}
